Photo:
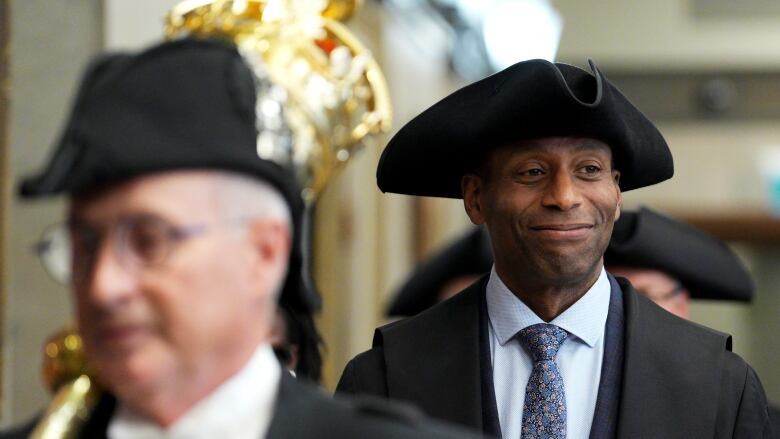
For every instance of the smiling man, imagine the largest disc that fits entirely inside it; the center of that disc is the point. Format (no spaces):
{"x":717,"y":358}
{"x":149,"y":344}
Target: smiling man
{"x":549,"y":345}
{"x":549,"y":206}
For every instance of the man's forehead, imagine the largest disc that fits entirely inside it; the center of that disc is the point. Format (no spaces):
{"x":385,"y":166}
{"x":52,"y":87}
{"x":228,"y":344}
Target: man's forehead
{"x":560,"y":143}
{"x":173,"y":194}
{"x":547,"y":146}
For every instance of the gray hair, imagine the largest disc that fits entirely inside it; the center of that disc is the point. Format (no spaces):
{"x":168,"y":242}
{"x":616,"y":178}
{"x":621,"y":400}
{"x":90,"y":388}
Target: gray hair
{"x":242,"y":197}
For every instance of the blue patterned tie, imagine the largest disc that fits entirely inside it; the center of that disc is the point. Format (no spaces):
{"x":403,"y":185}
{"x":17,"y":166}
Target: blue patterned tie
{"x":544,"y":410}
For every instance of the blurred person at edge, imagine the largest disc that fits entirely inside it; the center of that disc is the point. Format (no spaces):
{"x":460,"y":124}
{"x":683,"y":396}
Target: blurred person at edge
{"x":181,"y":239}
{"x":549,"y":344}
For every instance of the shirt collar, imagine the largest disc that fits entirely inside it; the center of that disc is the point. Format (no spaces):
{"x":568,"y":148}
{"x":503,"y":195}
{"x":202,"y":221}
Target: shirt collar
{"x":585,"y":319}
{"x":230,"y":406}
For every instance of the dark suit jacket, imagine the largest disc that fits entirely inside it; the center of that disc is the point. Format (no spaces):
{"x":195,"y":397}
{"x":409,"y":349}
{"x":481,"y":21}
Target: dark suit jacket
{"x":304,"y":412}
{"x":680,"y":380}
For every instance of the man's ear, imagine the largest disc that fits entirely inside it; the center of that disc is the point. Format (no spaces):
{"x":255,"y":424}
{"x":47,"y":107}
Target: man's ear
{"x":472,"y":187}
{"x":271,"y":243}
{"x":271,"y":238}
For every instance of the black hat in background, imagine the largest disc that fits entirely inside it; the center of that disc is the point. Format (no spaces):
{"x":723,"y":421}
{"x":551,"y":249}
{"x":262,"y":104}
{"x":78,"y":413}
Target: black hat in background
{"x":187,"y":104}
{"x":706,"y":267}
{"x":469,"y":254}
{"x":530,"y":99}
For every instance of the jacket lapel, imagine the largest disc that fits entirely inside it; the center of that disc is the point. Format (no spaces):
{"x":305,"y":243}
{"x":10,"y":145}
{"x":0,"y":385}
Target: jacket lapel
{"x":607,"y":403}
{"x":291,"y":408}
{"x":433,"y":359}
{"x":666,"y":391}
{"x":491,"y":424}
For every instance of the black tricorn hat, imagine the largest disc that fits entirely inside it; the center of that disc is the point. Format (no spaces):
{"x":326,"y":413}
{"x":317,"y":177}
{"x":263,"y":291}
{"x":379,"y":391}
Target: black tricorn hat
{"x":469,"y":254}
{"x":187,"y":104}
{"x":527,"y":100}
{"x":706,"y":267}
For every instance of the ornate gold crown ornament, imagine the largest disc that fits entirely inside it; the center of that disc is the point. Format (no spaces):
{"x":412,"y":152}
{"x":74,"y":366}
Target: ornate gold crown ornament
{"x":321,"y":95}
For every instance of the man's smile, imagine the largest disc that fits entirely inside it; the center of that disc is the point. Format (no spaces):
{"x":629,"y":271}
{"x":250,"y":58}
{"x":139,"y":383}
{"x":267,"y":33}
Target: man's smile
{"x":562,"y":231}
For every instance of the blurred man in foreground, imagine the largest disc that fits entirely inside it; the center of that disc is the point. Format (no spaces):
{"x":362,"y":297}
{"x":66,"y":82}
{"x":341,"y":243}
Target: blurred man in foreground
{"x":177,"y":243}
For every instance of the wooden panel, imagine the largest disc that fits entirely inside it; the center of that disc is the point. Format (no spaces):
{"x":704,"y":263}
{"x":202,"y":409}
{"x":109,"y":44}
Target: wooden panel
{"x":701,"y":96}
{"x":756,"y":228}
{"x":723,"y":9}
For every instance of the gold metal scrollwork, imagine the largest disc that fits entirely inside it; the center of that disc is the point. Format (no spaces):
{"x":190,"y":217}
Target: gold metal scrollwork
{"x":335,"y":95}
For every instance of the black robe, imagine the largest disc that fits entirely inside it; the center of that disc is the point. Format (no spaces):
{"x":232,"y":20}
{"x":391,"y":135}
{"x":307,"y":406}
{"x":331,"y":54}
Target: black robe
{"x":303,"y":411}
{"x":679,"y":379}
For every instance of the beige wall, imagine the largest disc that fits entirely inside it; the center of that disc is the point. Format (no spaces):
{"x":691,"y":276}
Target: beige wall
{"x":50,"y":43}
{"x":665,"y":34}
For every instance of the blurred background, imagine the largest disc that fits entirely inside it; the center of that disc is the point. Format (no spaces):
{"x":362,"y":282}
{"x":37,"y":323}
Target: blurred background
{"x":706,"y":71}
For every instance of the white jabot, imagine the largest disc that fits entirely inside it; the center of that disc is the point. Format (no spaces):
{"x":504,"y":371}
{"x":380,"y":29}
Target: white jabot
{"x":241,"y":408}
{"x":579,"y":358}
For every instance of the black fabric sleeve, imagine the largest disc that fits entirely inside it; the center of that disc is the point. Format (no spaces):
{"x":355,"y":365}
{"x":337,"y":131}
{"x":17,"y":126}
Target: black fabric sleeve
{"x":365,"y":375}
{"x":774,"y":421}
{"x":346,"y":385}
{"x":753,"y":413}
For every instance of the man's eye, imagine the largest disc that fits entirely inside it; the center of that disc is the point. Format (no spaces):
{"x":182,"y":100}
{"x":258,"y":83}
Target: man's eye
{"x":148,"y":241}
{"x":534,"y":172}
{"x":591,"y":169}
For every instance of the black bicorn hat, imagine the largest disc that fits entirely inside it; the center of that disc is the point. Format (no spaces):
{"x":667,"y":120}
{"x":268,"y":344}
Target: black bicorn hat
{"x":469,"y":254}
{"x":530,"y":99}
{"x":185,"y":104}
{"x":705,"y":266}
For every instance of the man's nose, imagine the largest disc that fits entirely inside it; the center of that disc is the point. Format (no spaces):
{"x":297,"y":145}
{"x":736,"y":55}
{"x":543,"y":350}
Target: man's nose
{"x":108,"y":279}
{"x":562,"y":192}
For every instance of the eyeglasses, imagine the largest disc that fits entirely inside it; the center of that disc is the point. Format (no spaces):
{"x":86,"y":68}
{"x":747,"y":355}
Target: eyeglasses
{"x":69,"y":251}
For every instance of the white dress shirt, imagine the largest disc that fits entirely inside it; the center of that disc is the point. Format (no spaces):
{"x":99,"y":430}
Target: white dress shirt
{"x":241,"y":408}
{"x":579,"y":357}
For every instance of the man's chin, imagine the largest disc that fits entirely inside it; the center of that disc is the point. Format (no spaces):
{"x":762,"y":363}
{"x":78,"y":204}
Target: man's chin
{"x":128,"y":373}
{"x":568,"y":269}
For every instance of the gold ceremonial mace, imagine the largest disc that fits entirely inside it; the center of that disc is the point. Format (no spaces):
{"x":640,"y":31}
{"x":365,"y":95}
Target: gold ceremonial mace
{"x":335,"y":95}
{"x":75,"y":392}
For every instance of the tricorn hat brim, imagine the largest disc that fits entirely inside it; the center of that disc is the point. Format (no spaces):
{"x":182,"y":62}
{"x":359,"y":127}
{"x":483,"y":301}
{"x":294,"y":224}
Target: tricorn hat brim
{"x":706,"y":267}
{"x":531,"y":99}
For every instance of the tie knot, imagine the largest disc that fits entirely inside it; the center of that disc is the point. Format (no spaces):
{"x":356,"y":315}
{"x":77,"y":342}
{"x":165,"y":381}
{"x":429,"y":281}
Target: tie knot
{"x":543,"y":340}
